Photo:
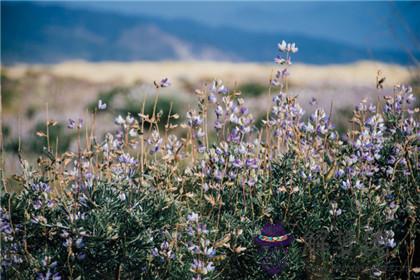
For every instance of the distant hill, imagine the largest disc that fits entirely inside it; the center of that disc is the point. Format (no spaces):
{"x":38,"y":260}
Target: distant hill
{"x":34,"y":33}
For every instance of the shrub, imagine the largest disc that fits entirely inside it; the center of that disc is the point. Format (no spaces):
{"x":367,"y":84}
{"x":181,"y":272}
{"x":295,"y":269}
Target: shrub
{"x":108,"y":97}
{"x":57,"y":132}
{"x":164,"y":106}
{"x":252,"y":89}
{"x":148,"y":204}
{"x":9,"y":90}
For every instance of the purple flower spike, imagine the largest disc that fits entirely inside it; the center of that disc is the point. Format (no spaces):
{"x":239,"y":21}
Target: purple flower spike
{"x":71,"y":124}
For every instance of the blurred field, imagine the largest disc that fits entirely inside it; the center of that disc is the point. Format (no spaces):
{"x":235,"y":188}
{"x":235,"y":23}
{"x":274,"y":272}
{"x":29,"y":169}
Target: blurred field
{"x":71,"y":89}
{"x":361,"y":73}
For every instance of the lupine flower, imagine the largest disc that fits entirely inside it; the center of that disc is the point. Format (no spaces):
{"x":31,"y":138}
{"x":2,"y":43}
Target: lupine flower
{"x":198,"y":267}
{"x":122,"y":196}
{"x":194,"y":248}
{"x":202,"y":229}
{"x":217,"y":87}
{"x":155,"y":141}
{"x":64,"y":234}
{"x":282,"y":46}
{"x":252,"y":163}
{"x":37,"y":204}
{"x":410,"y":98}
{"x":5,"y":226}
{"x":359,"y":185}
{"x":71,"y":124}
{"x":194,"y":119}
{"x":377,"y":273}
{"x":212,"y":98}
{"x":387,"y":239}
{"x":313,"y":101}
{"x":155,"y":252}
{"x":48,"y":276}
{"x":120,"y":120}
{"x":219,"y":111}
{"x":68,"y":242}
{"x":335,"y":211}
{"x":193,"y":217}
{"x":80,"y":243}
{"x":101,"y":105}
{"x":129,"y":119}
{"x":379,"y":153}
{"x":127,"y":159}
{"x":340,"y":173}
{"x":250,"y":182}
{"x":164,"y":83}
{"x":210,"y":252}
{"x":81,"y":256}
{"x":287,"y":47}
{"x":280,"y":60}
{"x":133,"y":132}
{"x":281,"y":74}
{"x":345,"y":185}
{"x":41,"y":187}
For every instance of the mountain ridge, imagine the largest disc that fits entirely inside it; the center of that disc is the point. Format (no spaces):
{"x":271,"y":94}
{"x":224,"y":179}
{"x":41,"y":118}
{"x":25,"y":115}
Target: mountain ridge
{"x":34,"y":33}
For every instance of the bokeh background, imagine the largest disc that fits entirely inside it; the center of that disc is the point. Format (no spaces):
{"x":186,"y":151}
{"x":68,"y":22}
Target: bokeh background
{"x":59,"y":58}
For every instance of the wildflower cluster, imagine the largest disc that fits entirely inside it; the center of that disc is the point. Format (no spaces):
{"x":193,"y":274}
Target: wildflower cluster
{"x":116,"y":206}
{"x":199,"y":247}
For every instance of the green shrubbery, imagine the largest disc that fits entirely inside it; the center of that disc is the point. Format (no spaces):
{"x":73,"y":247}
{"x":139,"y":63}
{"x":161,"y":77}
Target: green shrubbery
{"x":144,"y":203}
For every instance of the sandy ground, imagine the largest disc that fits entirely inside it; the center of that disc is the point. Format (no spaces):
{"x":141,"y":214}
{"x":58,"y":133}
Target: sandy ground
{"x":361,"y":73}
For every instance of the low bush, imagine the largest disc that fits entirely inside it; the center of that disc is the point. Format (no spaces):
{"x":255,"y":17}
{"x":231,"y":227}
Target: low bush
{"x":148,"y":204}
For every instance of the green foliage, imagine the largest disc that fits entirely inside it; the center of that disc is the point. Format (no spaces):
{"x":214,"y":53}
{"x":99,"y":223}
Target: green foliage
{"x":108,"y":97}
{"x":161,"y":205}
{"x":8,"y":90}
{"x":252,"y":89}
{"x":164,"y":106}
{"x":35,"y":144}
{"x":341,"y":119}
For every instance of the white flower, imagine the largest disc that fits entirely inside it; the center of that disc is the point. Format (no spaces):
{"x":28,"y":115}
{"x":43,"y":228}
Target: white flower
{"x":377,"y":273}
{"x":335,"y":211}
{"x":210,"y":252}
{"x":122,"y":196}
{"x":387,"y":239}
{"x":359,"y":185}
{"x":210,"y":267}
{"x":287,"y":47}
{"x":133,"y":132}
{"x":309,"y":127}
{"x":193,"y":217}
{"x":410,"y":98}
{"x":129,"y":119}
{"x":345,"y":185}
{"x":282,"y":46}
{"x":292,"y":48}
{"x":101,"y":105}
{"x":391,"y":243}
{"x":164,"y":83}
{"x":120,"y":120}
